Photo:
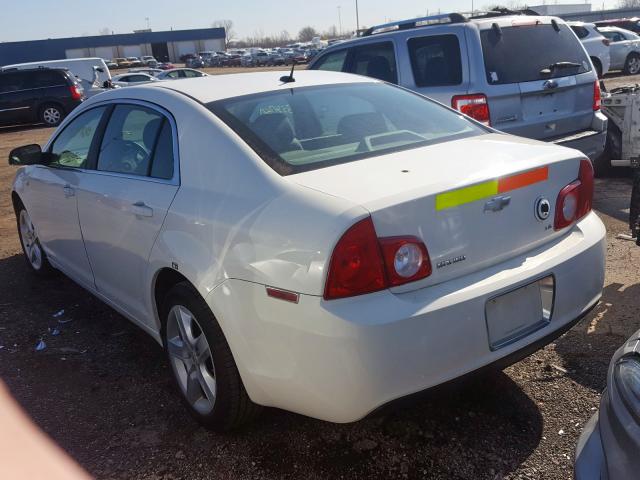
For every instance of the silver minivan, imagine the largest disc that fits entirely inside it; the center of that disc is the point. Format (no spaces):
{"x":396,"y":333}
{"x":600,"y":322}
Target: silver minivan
{"x":521,"y":74}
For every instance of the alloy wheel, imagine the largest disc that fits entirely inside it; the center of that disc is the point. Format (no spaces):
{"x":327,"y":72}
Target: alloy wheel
{"x":29,"y":240}
{"x":51,"y":115}
{"x":634,"y":65}
{"x":191,"y":359}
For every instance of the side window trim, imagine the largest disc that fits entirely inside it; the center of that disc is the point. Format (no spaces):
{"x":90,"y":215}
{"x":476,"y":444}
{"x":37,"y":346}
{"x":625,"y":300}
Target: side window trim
{"x":111,"y":104}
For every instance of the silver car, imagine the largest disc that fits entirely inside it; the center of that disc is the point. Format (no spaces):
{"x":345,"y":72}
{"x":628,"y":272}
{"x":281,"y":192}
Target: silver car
{"x":624,"y":49}
{"x":524,"y":75}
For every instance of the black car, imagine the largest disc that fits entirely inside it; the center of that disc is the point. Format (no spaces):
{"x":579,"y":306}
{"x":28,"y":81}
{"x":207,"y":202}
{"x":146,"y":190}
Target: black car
{"x":44,"y":95}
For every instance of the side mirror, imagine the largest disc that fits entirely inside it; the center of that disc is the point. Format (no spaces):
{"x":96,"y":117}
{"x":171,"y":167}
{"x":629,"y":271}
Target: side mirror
{"x":26,"y":155}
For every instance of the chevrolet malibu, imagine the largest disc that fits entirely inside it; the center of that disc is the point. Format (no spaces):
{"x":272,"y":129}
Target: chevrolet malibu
{"x":325,"y":244}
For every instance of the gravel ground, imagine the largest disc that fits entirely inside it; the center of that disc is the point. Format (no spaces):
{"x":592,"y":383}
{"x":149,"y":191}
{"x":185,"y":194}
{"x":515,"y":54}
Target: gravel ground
{"x":102,"y":389}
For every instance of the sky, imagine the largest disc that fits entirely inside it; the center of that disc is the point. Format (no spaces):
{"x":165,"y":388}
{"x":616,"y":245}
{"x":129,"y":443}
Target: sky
{"x":37,"y":19}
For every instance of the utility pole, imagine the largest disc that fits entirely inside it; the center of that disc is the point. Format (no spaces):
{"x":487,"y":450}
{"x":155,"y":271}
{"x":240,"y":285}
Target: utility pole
{"x":357,"y":20}
{"x":147,"y":19}
{"x":340,"y":20}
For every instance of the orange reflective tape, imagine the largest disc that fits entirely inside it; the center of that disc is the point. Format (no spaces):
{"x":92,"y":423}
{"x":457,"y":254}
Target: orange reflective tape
{"x":520,"y":180}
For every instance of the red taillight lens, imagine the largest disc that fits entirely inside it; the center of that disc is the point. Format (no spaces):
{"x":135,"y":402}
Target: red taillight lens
{"x":356,"y":264}
{"x":576,"y":199}
{"x":362,"y":263}
{"x":475,"y":106}
{"x":76,"y":93}
{"x":406,"y":259}
{"x":606,"y":41}
{"x":597,"y":96}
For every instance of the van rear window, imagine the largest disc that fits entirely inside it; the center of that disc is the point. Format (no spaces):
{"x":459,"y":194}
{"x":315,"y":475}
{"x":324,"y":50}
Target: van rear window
{"x":523,"y":53}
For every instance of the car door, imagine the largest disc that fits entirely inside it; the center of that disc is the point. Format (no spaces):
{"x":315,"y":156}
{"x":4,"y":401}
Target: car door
{"x":123,"y":203}
{"x":618,"y":49}
{"x":50,"y":196}
{"x":16,"y":98}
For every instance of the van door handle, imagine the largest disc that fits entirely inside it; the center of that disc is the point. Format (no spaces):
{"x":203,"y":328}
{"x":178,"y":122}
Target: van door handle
{"x":141,"y":209}
{"x":68,"y":191}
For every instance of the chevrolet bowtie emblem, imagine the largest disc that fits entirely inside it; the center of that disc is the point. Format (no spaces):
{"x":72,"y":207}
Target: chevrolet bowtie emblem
{"x":496,"y":204}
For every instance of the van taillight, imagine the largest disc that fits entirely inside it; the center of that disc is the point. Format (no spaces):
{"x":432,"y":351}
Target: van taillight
{"x":576,"y":199}
{"x":597,"y":96}
{"x":475,"y":106}
{"x":76,"y":93}
{"x":363,"y":263}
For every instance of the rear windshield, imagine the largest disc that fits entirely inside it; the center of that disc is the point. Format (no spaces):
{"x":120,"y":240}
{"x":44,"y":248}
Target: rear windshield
{"x":531,"y":52}
{"x":307,"y":128}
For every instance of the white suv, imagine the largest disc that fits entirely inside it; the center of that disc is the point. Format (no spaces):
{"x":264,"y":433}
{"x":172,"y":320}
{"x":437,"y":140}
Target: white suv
{"x":596,"y":45}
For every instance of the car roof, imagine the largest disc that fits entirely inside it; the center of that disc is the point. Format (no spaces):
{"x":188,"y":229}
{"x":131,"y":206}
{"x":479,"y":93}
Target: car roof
{"x":218,"y":87}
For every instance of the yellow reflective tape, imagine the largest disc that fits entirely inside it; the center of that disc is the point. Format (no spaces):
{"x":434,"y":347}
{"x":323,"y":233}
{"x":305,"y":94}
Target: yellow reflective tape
{"x":466,"y":195}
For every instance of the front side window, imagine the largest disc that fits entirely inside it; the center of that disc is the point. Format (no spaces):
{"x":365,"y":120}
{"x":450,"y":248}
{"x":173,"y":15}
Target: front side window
{"x":71,"y":148}
{"x":332,"y":62}
{"x":435,"y":60}
{"x":376,"y":60}
{"x":580,"y":32}
{"x":129,"y":140}
{"x":315,"y":127}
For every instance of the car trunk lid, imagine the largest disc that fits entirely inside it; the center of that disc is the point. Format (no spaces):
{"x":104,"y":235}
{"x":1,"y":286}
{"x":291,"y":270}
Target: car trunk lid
{"x":539,"y":78}
{"x":472,"y":210}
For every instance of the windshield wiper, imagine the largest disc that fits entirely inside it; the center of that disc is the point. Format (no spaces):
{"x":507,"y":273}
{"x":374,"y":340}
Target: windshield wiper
{"x":558,"y":66}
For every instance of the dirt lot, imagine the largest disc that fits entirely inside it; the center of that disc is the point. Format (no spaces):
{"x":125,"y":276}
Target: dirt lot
{"x":102,"y":389}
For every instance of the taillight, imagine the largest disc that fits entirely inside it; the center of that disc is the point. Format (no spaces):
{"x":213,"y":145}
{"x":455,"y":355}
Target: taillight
{"x":597,"y":96}
{"x":363,"y":263}
{"x":576,"y":199}
{"x":406,"y":259}
{"x":76,"y":93}
{"x":475,"y":106}
{"x":356,"y":264}
{"x":606,"y":41}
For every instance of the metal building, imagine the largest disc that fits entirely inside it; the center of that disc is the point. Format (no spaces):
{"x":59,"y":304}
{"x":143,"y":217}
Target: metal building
{"x":168,"y":45}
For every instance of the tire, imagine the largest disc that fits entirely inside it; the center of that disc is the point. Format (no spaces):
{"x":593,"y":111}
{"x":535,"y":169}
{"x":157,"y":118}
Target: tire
{"x":632,"y":64}
{"x":34,"y":254}
{"x":203,"y":367}
{"x":597,"y":65}
{"x":612,"y":149}
{"x":51,"y":114}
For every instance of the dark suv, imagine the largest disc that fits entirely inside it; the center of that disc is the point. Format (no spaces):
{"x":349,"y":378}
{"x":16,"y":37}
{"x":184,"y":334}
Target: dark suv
{"x":37,"y":95}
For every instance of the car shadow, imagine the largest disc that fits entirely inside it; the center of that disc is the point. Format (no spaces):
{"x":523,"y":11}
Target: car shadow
{"x":613,"y":195}
{"x":102,"y":390}
{"x":587,"y":348}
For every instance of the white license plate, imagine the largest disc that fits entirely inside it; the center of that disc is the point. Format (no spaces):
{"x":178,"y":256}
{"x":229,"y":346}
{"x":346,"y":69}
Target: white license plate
{"x":519,"y":313}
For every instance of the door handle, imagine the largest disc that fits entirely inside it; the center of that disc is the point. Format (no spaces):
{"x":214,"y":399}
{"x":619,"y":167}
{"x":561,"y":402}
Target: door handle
{"x":141,"y":209}
{"x":68,"y":191}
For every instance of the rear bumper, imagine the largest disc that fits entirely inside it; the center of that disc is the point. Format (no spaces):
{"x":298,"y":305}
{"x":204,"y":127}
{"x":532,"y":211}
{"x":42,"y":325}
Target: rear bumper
{"x":340,"y":360}
{"x":590,"y":142}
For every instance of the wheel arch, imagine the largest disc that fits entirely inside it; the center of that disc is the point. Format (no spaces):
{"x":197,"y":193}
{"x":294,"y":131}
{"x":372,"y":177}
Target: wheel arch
{"x":16,"y":201}
{"x":597,"y":64}
{"x":164,"y":280}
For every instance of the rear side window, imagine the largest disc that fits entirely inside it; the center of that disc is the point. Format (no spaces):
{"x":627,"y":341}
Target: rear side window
{"x":377,"y":60}
{"x":10,"y":82}
{"x":45,"y":79}
{"x":130,"y":140}
{"x":333,"y":62}
{"x":435,"y":60}
{"x":581,"y":32}
{"x":162,"y":165}
{"x":521,"y":53}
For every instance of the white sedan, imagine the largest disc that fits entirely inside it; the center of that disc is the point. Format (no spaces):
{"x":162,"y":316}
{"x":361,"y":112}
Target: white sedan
{"x":132,"y":78}
{"x":325,"y":246}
